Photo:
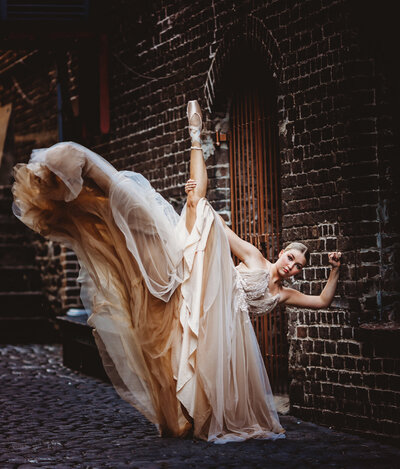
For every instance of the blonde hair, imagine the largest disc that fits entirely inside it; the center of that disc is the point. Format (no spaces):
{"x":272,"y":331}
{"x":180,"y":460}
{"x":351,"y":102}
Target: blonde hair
{"x":301,"y":248}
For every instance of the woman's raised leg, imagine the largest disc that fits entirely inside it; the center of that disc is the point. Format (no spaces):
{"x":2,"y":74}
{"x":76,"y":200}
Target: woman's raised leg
{"x":198,"y":170}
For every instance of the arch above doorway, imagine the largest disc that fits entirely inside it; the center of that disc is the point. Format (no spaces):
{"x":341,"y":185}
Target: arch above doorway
{"x":253,"y":32}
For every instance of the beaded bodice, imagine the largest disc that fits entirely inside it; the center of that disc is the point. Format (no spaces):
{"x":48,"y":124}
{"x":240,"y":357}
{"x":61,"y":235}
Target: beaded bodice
{"x":254,"y":291}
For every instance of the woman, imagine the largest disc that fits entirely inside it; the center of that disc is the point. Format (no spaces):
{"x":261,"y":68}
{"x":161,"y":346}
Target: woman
{"x":169,"y":310}
{"x":291,"y":260}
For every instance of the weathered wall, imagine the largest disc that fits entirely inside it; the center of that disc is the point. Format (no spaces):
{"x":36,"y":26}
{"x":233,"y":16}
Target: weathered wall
{"x":338,"y":147}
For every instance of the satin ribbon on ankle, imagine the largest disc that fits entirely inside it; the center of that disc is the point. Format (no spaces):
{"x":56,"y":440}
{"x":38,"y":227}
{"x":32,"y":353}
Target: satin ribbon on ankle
{"x":194,"y":132}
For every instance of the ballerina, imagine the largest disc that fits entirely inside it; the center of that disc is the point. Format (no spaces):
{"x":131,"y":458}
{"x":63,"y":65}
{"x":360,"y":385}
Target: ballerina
{"x":169,"y":310}
{"x":291,"y":259}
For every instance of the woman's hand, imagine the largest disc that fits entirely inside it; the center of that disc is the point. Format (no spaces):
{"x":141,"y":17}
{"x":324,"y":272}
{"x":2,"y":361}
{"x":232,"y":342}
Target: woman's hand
{"x":190,"y":185}
{"x":334,"y":259}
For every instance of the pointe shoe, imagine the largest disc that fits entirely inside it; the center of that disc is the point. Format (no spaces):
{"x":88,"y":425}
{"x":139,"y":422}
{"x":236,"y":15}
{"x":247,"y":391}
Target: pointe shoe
{"x":195,"y":120}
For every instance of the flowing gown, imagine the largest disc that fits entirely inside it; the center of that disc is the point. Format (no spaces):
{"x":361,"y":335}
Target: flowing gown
{"x":169,"y":310}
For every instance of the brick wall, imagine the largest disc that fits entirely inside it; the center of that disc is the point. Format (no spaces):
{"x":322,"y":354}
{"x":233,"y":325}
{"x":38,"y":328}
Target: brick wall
{"x":331,"y":162}
{"x":337,"y":184}
{"x":28,"y":82}
{"x":338,"y":149}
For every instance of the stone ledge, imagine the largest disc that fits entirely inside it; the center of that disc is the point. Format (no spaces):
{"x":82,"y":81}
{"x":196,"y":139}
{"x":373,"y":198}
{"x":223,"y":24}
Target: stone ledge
{"x":379,"y":339}
{"x":377,"y":331}
{"x":80,"y":352}
{"x":381,"y":326}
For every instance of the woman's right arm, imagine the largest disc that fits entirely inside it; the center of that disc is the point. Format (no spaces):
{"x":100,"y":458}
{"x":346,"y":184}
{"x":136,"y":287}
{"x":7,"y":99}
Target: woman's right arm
{"x":243,"y":250}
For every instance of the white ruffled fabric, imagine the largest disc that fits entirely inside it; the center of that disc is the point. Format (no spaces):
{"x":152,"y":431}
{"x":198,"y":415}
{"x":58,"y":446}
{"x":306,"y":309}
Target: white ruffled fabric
{"x":170,"y":312}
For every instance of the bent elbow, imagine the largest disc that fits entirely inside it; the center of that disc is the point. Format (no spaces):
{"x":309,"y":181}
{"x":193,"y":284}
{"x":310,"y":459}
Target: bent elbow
{"x":324,"y":303}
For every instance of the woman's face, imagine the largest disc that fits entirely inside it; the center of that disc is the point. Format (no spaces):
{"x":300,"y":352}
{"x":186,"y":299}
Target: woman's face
{"x":290,"y":263}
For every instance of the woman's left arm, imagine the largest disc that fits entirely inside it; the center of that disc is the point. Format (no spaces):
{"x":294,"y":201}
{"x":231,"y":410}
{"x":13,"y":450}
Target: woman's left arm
{"x":295,"y":298}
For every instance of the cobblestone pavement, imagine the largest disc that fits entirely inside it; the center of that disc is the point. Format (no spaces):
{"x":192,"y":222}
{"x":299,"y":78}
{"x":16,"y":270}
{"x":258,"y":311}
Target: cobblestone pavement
{"x":52,"y":417}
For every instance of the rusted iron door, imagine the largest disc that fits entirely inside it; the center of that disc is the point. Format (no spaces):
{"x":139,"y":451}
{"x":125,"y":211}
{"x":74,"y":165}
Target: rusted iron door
{"x":256,"y":209}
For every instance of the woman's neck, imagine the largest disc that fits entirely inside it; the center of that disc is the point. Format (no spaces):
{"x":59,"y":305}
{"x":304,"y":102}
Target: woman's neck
{"x":274,"y":275}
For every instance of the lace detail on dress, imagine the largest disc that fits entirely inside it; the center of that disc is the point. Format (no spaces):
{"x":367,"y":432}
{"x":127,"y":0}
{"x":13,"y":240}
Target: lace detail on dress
{"x":254,"y":291}
{"x":241,"y":297}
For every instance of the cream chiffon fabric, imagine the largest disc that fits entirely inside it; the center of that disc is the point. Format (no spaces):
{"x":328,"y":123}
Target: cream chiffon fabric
{"x":168,"y":308}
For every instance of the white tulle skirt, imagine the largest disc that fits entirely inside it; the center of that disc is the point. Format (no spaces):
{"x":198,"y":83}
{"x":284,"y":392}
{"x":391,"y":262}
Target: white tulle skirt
{"x":164,"y":303}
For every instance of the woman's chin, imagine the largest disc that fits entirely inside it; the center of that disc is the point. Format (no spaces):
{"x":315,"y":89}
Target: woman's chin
{"x":287,"y":275}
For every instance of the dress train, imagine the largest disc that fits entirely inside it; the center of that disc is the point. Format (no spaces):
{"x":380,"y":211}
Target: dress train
{"x":168,"y":308}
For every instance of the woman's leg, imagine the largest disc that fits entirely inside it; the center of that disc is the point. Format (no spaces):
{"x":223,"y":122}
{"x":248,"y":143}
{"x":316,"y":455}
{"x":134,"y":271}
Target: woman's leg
{"x":198,"y":170}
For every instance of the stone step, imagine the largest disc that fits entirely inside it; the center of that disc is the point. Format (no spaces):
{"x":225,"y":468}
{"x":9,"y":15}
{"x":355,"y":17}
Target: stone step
{"x":15,"y":254}
{"x":17,"y":279}
{"x":22,"y":304}
{"x":80,"y":352}
{"x":28,"y":330}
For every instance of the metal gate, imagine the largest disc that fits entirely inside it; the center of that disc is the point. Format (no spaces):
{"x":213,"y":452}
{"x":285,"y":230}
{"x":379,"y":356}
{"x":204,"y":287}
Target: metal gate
{"x":256,"y":209}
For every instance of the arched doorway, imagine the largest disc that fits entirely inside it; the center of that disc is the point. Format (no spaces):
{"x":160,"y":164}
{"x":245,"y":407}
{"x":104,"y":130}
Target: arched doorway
{"x":255,"y":190}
